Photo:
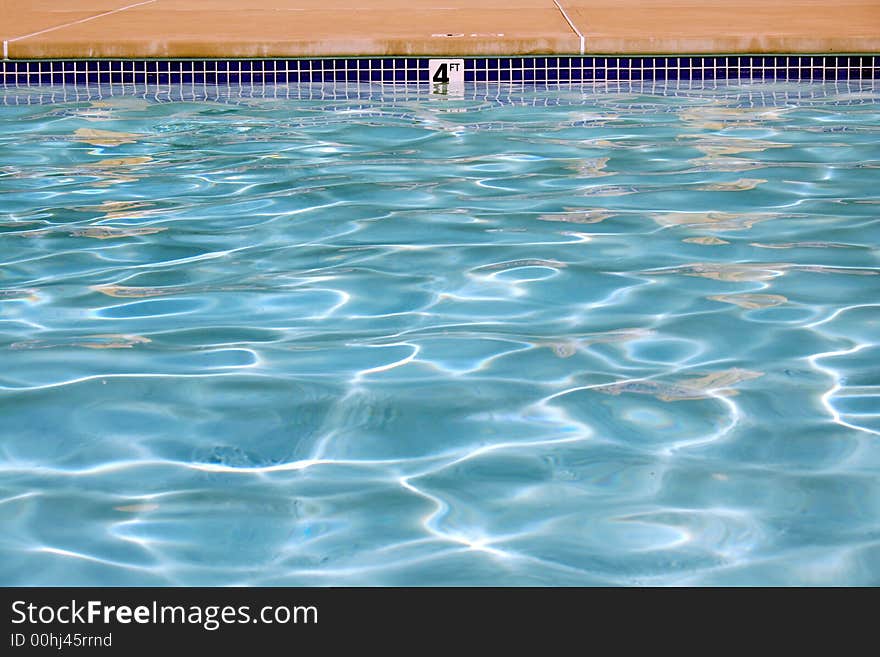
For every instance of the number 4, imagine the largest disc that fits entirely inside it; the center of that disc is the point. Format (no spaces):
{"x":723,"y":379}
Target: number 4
{"x":441,"y":75}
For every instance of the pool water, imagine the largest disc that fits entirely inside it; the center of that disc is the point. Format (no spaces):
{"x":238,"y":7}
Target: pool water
{"x":358,"y":335}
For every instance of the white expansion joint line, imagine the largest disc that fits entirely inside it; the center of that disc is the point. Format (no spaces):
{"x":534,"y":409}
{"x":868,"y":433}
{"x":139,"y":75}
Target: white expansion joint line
{"x":570,"y":23}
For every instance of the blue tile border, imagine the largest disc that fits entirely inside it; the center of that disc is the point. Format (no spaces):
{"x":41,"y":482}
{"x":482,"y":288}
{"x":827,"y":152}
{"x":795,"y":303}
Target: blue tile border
{"x":517,"y":70}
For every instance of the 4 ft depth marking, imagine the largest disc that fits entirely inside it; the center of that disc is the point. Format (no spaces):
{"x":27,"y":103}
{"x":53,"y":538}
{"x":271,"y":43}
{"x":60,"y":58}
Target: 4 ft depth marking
{"x":446,"y":75}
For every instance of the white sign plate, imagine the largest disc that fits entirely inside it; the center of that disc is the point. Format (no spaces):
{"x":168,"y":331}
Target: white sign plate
{"x":446,"y":75}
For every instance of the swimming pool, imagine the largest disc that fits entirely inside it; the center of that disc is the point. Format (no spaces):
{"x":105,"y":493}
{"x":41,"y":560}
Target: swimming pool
{"x":346,"y":334}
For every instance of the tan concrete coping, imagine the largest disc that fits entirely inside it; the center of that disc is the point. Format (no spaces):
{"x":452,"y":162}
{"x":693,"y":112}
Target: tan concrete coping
{"x":46,"y":29}
{"x":733,"y":26}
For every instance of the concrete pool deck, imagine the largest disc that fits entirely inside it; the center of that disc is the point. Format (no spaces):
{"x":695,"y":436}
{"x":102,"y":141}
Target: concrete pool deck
{"x":47,"y":29}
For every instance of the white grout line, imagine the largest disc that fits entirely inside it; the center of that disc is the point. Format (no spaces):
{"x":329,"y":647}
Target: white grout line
{"x":570,"y":23}
{"x":82,"y":20}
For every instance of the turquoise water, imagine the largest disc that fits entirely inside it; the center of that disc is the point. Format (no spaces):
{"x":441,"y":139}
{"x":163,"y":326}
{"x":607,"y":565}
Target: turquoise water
{"x":355,"y":336}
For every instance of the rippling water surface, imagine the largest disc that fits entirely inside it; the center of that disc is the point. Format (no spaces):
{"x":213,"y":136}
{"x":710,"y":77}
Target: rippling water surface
{"x":355,"y":336}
